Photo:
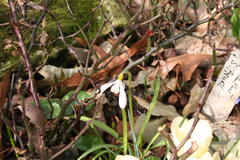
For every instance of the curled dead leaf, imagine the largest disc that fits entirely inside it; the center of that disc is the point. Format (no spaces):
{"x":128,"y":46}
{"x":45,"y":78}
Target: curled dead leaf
{"x":196,"y":94}
{"x":188,"y":63}
{"x":114,"y":67}
{"x":36,"y":115}
{"x":160,"y":109}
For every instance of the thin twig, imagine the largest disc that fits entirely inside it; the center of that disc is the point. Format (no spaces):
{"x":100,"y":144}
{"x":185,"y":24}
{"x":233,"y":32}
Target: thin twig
{"x":16,"y":28}
{"x":208,"y":19}
{"x":35,"y":26}
{"x":15,"y":25}
{"x":73,"y":124}
{"x":69,"y":47}
{"x":134,"y":63}
{"x":72,"y":142}
{"x":196,"y":116}
{"x":64,"y":106}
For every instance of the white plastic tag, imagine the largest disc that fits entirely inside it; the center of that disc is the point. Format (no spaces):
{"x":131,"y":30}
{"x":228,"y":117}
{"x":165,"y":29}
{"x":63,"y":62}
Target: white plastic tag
{"x":226,"y":90}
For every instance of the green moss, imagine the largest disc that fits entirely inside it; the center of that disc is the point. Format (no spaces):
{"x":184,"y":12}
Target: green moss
{"x":112,"y":10}
{"x":82,"y":13}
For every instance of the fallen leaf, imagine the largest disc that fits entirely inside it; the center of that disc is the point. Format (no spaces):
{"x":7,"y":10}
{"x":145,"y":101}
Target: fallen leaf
{"x":19,"y":150}
{"x":196,"y":94}
{"x":4,"y":84}
{"x":35,"y":114}
{"x":81,"y":41}
{"x":222,"y":36}
{"x":187,"y":62}
{"x":110,"y":69}
{"x":141,"y":78}
{"x":160,"y":109}
{"x":51,"y":73}
{"x":171,"y":84}
{"x":118,"y":60}
{"x":226,"y":130}
{"x":150,"y":130}
{"x":73,"y":81}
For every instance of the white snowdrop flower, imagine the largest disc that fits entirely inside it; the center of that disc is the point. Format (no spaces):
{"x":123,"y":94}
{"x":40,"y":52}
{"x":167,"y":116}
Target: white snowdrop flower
{"x":117,"y":87}
{"x":202,"y":136}
{"x":126,"y":157}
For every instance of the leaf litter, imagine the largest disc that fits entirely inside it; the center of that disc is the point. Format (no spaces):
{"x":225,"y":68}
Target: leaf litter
{"x":178,"y":65}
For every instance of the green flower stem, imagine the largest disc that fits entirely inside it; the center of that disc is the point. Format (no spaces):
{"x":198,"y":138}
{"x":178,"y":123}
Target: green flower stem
{"x":125,"y":131}
{"x":150,"y":144}
{"x":130,"y":97}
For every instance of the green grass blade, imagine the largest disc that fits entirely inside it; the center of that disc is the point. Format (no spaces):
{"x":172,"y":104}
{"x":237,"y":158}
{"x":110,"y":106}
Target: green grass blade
{"x":101,"y":125}
{"x":152,"y":105}
{"x":99,"y":154}
{"x":97,"y":147}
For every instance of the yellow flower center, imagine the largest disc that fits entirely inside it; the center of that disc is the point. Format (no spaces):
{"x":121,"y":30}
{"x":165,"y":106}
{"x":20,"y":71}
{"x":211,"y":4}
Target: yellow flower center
{"x":120,"y":76}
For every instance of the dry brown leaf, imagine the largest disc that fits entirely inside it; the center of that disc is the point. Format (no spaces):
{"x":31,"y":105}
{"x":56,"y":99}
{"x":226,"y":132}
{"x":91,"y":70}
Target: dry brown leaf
{"x":73,"y":81}
{"x":81,"y":41}
{"x":226,"y":130}
{"x":20,"y":151}
{"x":187,"y":62}
{"x":107,"y":46}
{"x":4,"y":84}
{"x":196,"y":93}
{"x":160,"y":109}
{"x":35,"y":114}
{"x":150,"y":130}
{"x":121,"y":59}
{"x":51,"y":73}
{"x":222,"y":37}
{"x":111,"y":68}
{"x":202,"y":10}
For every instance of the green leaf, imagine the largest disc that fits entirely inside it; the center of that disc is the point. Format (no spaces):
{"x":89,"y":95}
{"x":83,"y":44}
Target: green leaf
{"x":86,"y":142}
{"x":235,"y":20}
{"x":81,"y":97}
{"x":151,"y":158}
{"x":100,"y":125}
{"x":97,"y":147}
{"x":52,"y":110}
{"x":150,"y":110}
{"x":99,"y":154}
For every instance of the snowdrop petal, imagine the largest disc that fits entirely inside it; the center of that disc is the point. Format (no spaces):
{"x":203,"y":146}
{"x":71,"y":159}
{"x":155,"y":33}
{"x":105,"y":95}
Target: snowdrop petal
{"x":106,"y":86}
{"x":116,"y":86}
{"x":126,"y":157}
{"x":216,"y":156}
{"x":202,"y":135}
{"x":179,"y":129}
{"x":205,"y":156}
{"x":235,"y":151}
{"x":122,"y":97}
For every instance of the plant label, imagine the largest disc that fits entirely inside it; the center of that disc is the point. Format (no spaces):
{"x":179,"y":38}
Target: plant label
{"x":226,"y":90}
